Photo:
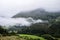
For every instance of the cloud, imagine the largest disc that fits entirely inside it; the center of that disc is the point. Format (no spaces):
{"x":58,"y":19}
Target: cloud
{"x":19,"y":21}
{"x":8,"y":8}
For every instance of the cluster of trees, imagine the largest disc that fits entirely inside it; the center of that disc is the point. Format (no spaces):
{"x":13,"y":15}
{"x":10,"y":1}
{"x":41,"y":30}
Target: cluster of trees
{"x":54,"y":29}
{"x":39,"y":29}
{"x":38,"y":14}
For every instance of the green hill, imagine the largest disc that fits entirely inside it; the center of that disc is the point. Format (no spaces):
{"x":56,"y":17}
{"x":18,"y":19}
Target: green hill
{"x":38,"y":14}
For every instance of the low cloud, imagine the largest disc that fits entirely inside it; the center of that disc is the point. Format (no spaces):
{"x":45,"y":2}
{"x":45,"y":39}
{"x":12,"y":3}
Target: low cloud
{"x":21,"y":21}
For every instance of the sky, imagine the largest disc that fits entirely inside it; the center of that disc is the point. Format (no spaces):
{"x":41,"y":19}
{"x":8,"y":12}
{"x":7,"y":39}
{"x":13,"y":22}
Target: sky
{"x":8,"y":8}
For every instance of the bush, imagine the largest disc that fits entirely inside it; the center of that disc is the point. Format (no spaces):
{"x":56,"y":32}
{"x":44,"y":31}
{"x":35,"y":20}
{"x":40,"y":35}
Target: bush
{"x":48,"y":37}
{"x":0,"y":35}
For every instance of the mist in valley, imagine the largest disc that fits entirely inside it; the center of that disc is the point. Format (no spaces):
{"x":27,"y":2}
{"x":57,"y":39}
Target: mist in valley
{"x":32,"y":17}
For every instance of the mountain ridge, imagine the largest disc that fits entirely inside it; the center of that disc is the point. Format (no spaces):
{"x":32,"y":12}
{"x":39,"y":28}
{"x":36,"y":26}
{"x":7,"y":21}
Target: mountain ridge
{"x":38,"y":14}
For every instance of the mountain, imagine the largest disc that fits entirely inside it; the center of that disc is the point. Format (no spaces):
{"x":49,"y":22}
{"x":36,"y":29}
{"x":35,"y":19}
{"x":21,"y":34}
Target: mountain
{"x":38,"y":14}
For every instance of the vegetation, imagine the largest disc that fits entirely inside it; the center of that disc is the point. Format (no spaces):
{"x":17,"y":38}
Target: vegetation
{"x":31,"y":37}
{"x":54,"y":29}
{"x":38,"y":31}
{"x":38,"y":14}
{"x":11,"y":38}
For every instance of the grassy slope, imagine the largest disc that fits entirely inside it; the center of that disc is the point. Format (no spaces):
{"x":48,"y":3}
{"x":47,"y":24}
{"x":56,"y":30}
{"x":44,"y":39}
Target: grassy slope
{"x":31,"y":37}
{"x":21,"y":37}
{"x":11,"y":38}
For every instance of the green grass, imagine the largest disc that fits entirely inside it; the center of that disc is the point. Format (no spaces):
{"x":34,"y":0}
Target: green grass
{"x":30,"y":37}
{"x":21,"y":37}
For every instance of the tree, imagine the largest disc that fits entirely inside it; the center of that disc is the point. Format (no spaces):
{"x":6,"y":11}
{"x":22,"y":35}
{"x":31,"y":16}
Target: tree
{"x":54,"y":29}
{"x":3,"y":31}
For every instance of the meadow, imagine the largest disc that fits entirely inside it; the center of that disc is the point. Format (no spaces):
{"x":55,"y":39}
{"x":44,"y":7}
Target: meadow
{"x":21,"y":37}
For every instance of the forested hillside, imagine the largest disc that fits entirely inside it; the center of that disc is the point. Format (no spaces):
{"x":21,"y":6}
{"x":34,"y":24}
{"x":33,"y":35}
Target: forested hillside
{"x":38,"y":14}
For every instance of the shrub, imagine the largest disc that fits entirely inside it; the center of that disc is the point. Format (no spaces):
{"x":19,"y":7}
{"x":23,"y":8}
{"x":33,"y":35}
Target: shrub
{"x":48,"y":37}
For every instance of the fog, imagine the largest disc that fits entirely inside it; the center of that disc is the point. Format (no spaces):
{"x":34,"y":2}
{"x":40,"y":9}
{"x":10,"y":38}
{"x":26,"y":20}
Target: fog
{"x":19,"y":21}
{"x":8,"y":8}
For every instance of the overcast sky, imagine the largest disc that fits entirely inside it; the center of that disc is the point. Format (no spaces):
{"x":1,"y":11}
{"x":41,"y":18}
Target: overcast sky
{"x":9,"y":8}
